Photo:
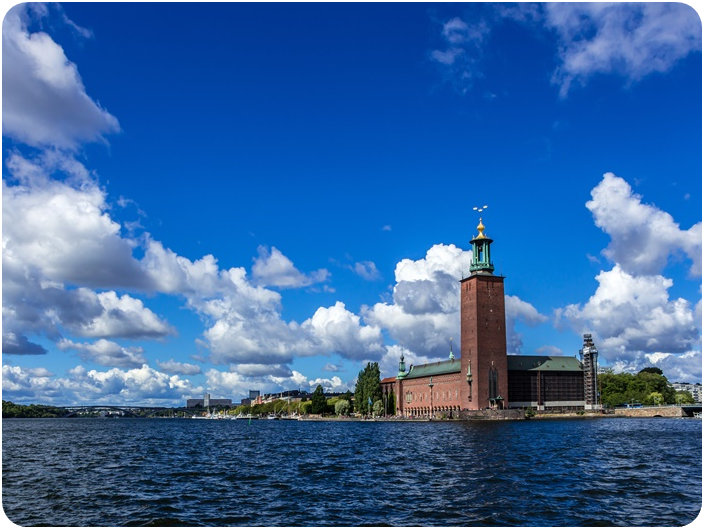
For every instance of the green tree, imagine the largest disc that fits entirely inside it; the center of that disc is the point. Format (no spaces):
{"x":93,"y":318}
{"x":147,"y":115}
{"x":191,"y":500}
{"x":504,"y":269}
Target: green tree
{"x":623,"y":388}
{"x":378,"y":408}
{"x":342,"y":407}
{"x":684,"y":397}
{"x":318,"y":401}
{"x":654,"y":398}
{"x":391,"y":403}
{"x":368,"y":387}
{"x":655,"y":370}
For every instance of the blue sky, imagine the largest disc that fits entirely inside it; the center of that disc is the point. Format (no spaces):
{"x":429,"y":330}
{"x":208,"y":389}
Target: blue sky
{"x":227,"y":197}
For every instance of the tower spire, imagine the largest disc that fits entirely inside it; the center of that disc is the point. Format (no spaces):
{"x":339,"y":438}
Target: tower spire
{"x":481,"y":250}
{"x":452,"y":356}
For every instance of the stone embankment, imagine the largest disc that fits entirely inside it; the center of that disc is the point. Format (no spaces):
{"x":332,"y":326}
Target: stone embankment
{"x":651,"y":411}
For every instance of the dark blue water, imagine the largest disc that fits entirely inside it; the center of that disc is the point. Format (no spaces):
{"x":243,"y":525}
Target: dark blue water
{"x":175,"y":472}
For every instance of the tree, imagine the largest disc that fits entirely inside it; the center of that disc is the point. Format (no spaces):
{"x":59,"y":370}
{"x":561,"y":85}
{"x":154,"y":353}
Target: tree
{"x":684,"y":397}
{"x":654,"y":398}
{"x":318,"y":401}
{"x":622,"y":388}
{"x":368,"y":387}
{"x":390,"y":403}
{"x":655,"y":370}
{"x":342,"y":407}
{"x":378,"y":408}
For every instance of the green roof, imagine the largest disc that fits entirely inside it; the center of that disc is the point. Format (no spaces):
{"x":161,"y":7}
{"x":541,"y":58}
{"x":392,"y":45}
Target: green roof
{"x":543,"y":363}
{"x":438,"y":368}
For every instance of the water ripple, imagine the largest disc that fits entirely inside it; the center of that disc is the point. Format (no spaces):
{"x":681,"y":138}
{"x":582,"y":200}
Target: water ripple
{"x":288,"y":473}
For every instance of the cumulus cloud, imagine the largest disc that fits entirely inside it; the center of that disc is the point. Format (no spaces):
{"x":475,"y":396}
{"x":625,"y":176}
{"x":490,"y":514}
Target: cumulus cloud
{"x":236,"y":384}
{"x":141,"y":386}
{"x":44,"y":102}
{"x":631,"y":315}
{"x":424,"y":313}
{"x":272,"y":268}
{"x":643,"y":237}
{"x":340,"y":331}
{"x":63,"y":230}
{"x":331,"y":385}
{"x":106,"y":353}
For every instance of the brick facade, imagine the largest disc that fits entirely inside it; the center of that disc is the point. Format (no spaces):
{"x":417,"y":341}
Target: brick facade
{"x":483,"y":331}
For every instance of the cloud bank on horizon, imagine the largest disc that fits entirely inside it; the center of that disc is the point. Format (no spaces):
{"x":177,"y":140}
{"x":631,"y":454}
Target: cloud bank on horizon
{"x":79,"y":280}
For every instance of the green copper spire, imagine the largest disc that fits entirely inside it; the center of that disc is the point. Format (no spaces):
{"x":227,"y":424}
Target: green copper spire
{"x":401,"y":368}
{"x":481,"y":253}
{"x":452,"y":356}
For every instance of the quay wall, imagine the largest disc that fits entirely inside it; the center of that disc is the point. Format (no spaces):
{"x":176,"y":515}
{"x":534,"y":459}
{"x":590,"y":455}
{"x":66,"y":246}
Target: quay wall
{"x":651,"y":411}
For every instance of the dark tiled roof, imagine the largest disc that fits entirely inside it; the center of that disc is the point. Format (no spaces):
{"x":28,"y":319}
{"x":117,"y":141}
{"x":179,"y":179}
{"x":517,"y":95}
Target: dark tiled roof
{"x":543,"y":363}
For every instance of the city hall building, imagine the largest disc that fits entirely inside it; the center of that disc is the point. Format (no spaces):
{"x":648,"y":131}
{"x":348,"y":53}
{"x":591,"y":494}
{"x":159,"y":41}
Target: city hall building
{"x":485,"y":377}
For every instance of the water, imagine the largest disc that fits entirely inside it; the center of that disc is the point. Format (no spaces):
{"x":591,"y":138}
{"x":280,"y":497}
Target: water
{"x":181,"y":472}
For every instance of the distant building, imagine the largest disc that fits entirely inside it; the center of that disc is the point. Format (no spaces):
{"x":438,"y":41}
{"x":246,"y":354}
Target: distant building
{"x":206,"y":402}
{"x":485,"y":376}
{"x":694,"y":389}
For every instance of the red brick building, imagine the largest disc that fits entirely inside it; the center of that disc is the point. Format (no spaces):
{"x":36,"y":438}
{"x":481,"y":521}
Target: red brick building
{"x":481,"y":378}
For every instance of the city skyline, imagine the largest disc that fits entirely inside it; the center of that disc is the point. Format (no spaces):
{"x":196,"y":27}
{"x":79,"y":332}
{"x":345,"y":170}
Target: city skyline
{"x":229,"y":197}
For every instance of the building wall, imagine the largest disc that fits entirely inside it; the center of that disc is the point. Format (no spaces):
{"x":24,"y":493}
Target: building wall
{"x":534,"y":388}
{"x":414,"y":397}
{"x":483,"y":333}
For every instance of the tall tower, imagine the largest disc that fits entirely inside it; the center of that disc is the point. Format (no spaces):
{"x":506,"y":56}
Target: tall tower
{"x":483,"y":330}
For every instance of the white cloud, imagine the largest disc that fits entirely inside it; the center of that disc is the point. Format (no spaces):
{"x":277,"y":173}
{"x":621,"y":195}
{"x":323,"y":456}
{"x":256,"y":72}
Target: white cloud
{"x":272,"y":268}
{"x":63,"y":230}
{"x":331,"y":385}
{"x":106,"y":353}
{"x":367,"y":270}
{"x":122,"y":316}
{"x":519,"y":310}
{"x":631,"y":315}
{"x":235,"y":385}
{"x":340,"y":331}
{"x":44,"y":103}
{"x":643,"y":237}
{"x":173,"y":367}
{"x":460,"y":60}
{"x":142,"y":386}
{"x":424,"y":314}
{"x":629,"y":39}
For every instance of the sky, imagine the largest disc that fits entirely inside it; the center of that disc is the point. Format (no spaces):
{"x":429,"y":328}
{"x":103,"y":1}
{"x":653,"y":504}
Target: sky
{"x":250,"y":196}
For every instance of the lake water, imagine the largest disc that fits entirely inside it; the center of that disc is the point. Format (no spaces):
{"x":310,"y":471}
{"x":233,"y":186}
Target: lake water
{"x":181,"y":472}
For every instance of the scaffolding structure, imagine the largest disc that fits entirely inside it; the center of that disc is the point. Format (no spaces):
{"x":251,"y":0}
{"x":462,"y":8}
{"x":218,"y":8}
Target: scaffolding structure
{"x":589,"y":357}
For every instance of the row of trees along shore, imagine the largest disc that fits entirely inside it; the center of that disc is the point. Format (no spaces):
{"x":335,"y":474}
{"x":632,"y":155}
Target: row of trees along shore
{"x":648,"y":387}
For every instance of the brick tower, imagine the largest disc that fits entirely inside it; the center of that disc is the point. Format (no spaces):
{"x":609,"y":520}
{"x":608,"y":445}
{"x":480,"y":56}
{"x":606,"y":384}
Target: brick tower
{"x":483,"y":331}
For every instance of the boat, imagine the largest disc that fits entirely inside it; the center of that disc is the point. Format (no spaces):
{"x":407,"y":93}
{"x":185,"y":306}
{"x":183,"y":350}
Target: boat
{"x":273,"y":417}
